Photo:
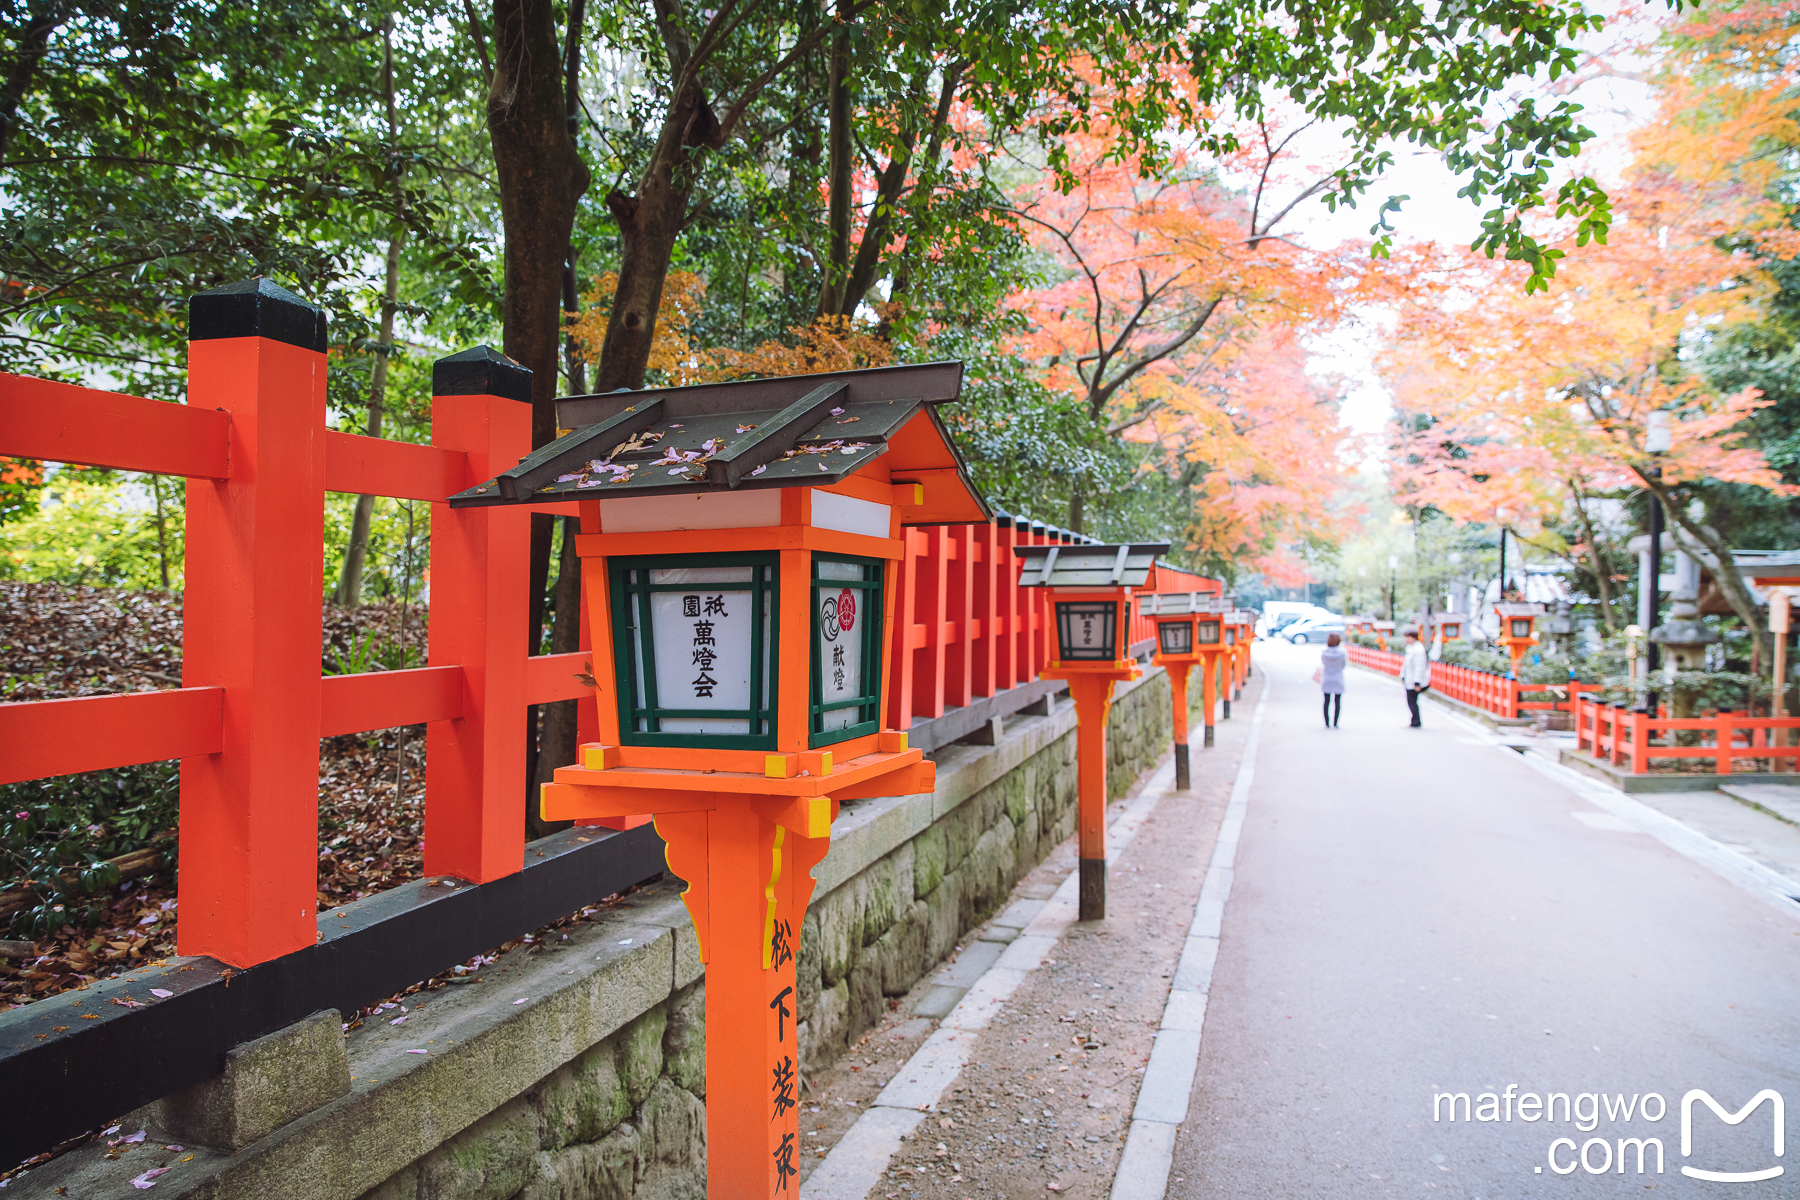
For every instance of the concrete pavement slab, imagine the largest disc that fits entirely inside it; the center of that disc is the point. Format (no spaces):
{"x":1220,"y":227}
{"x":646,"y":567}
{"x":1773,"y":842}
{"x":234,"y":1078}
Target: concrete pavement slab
{"x":1415,"y":916}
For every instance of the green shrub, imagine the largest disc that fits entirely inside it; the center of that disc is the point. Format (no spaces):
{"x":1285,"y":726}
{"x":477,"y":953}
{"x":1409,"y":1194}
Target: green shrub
{"x":56,"y":835}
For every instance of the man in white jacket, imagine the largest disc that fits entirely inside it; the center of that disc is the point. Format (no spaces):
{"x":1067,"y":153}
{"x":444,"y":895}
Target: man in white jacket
{"x":1415,"y":673}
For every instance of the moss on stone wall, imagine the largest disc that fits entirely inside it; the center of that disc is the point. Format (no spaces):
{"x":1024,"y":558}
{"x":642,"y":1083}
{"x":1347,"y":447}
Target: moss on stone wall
{"x":626,"y":1117}
{"x":883,"y":929}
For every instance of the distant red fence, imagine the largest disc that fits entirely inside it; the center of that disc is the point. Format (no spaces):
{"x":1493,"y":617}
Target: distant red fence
{"x":1628,"y":738}
{"x":1487,"y":690}
{"x":252,"y":442}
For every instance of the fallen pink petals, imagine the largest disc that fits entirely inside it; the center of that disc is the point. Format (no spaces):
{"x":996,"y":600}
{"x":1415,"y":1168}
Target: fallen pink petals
{"x":143,"y":1182}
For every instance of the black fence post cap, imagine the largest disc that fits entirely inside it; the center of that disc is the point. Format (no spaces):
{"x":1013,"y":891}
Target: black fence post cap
{"x":256,"y":308}
{"x":482,"y":371}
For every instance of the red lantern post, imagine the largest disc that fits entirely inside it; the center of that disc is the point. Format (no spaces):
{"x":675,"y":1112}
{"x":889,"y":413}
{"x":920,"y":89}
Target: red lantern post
{"x":1517,"y":618}
{"x":739,"y":545}
{"x":1090,"y":594}
{"x":1173,"y":616}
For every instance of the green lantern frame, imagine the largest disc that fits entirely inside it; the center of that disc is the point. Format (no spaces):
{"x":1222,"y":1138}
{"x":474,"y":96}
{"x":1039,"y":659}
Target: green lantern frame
{"x":868,"y":701}
{"x":634,"y":638}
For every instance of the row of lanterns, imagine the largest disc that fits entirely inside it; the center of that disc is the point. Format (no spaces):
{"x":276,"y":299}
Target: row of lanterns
{"x":1209,"y":632}
{"x":739,"y":543}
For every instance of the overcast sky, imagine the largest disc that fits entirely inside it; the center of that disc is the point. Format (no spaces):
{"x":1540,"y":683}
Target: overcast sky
{"x":1434,"y":212}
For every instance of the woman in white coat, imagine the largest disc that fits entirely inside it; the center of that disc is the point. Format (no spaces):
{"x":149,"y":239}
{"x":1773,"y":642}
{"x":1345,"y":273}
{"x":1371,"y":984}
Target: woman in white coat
{"x":1331,"y":678}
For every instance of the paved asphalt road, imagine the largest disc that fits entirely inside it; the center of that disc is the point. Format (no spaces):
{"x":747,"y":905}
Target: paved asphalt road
{"x":1416,"y":913}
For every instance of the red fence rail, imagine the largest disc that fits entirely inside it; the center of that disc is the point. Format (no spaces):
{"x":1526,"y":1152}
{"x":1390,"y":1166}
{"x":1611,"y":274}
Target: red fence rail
{"x":1486,"y":690}
{"x":252,"y":443}
{"x":970,"y":631}
{"x":1629,"y":738}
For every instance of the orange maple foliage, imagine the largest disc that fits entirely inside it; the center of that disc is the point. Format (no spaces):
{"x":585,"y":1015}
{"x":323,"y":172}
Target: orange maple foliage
{"x":670,"y":351}
{"x":21,"y":470}
{"x":1528,"y":401}
{"x":828,"y":344}
{"x":1178,"y":322}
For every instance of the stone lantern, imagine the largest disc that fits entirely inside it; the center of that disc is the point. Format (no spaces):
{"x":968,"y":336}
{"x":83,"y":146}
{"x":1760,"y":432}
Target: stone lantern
{"x":1684,"y":641}
{"x":1561,"y":627}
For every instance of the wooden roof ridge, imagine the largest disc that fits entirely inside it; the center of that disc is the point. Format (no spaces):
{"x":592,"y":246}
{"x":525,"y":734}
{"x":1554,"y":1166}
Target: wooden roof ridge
{"x":780,"y":432}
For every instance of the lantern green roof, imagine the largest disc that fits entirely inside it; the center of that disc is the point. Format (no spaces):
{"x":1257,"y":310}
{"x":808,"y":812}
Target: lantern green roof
{"x":793,"y":431}
{"x":1127,"y":565}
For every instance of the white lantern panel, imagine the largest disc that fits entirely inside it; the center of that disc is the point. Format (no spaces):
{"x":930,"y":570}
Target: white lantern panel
{"x":842,"y":628}
{"x":703,"y":639}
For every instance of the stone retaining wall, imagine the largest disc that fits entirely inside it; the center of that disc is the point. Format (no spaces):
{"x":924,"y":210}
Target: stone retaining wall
{"x":576,"y":1071}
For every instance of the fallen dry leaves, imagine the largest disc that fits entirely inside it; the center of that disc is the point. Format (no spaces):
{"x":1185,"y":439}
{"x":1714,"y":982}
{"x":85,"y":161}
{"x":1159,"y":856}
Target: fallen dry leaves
{"x":60,"y":641}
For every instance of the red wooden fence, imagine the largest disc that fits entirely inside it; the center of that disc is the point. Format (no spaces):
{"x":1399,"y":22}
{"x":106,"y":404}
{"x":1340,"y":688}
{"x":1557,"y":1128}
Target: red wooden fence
{"x":1611,"y":732}
{"x":1628,"y":738}
{"x":253,"y":445}
{"x":1486,"y":690}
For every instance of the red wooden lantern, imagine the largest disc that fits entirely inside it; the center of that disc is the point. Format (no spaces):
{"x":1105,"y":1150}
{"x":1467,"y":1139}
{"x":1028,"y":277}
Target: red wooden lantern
{"x":738,"y":545}
{"x":1090,"y":594}
{"x":1174,"y":616}
{"x":1517,"y":620}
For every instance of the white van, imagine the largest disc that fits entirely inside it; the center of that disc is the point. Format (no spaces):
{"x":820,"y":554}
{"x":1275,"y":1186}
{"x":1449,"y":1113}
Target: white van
{"x":1276,"y":613}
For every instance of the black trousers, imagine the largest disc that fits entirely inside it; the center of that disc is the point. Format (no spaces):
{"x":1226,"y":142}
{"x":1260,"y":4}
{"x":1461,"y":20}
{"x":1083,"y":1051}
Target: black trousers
{"x":1333,"y":700}
{"x":1412,"y":702}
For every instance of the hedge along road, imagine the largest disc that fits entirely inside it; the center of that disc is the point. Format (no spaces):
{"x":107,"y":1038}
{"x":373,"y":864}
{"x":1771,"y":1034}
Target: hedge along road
{"x":1419,"y":913}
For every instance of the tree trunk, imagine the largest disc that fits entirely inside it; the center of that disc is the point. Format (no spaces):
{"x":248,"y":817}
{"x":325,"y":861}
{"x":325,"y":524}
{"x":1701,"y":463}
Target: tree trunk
{"x":649,"y":223}
{"x":541,"y":178}
{"x":837,"y":169}
{"x":573,"y":366}
{"x":33,"y":40}
{"x":865,"y":267}
{"x":919,"y":202}
{"x":162,"y":530}
{"x":557,"y":739}
{"x":1602,"y":568}
{"x":349,"y":589}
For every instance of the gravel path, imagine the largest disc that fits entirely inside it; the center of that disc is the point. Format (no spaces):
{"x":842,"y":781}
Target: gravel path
{"x":1043,"y":1106}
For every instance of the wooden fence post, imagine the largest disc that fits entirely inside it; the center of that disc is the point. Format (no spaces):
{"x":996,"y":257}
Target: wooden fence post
{"x":961,"y":624}
{"x":1006,"y":611}
{"x":249,"y":838}
{"x":983,"y":562}
{"x":475,"y":785}
{"x":905,"y":641}
{"x":1640,"y":743}
{"x":930,"y":587}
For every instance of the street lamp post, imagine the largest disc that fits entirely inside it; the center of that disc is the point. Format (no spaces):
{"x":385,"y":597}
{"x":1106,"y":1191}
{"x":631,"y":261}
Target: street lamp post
{"x":1658,"y":438}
